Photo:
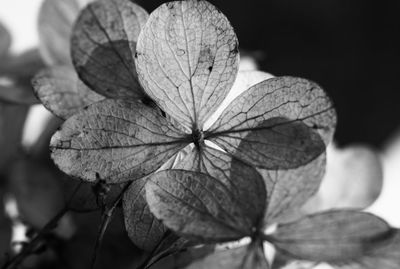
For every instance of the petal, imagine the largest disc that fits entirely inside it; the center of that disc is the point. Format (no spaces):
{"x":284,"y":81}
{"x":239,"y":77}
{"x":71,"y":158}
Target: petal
{"x":220,"y":199}
{"x":274,"y":144}
{"x":335,"y":237}
{"x":143,"y":228}
{"x":60,"y":91}
{"x":292,"y":100}
{"x":385,"y":255}
{"x":246,"y":257}
{"x":288,"y":190}
{"x":103,"y":44}
{"x":244,"y":81}
{"x":242,"y":179}
{"x":197,"y":206}
{"x":171,"y":245}
{"x":187,"y":59}
{"x":116,"y":141}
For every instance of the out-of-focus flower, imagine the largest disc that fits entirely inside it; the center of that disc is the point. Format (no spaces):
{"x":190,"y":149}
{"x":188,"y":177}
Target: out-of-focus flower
{"x":353,"y":179}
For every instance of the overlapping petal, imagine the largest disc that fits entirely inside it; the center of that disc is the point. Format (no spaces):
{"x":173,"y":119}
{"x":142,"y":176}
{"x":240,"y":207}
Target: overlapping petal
{"x":289,"y":189}
{"x":288,"y":110}
{"x":244,"y":81}
{"x":143,"y":228}
{"x":103,"y":45}
{"x":334,"y":237}
{"x":60,"y":91}
{"x":219,"y":199}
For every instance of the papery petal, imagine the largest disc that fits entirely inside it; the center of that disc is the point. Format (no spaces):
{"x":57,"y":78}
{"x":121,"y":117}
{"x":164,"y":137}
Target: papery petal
{"x":116,"y":141}
{"x":103,"y":46}
{"x":187,"y":59}
{"x":60,"y":91}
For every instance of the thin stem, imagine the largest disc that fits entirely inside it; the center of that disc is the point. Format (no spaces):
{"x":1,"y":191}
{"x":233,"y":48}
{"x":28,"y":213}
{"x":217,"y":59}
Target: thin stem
{"x":28,"y":249}
{"x":146,"y":263}
{"x":105,"y":221}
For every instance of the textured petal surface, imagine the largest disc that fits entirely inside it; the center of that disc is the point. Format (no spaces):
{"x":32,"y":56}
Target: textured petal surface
{"x":197,"y":206}
{"x":60,"y":91}
{"x":143,"y":228}
{"x":244,"y":81}
{"x":104,"y":44}
{"x":386,"y":255}
{"x":276,"y":143}
{"x":288,"y":190}
{"x":116,"y":141}
{"x":241,"y":179}
{"x":294,"y":99}
{"x":187,"y":59}
{"x":333,"y":236}
{"x":220,"y":198}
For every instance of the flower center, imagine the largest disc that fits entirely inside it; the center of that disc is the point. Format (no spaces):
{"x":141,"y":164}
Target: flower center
{"x":198,"y":137}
